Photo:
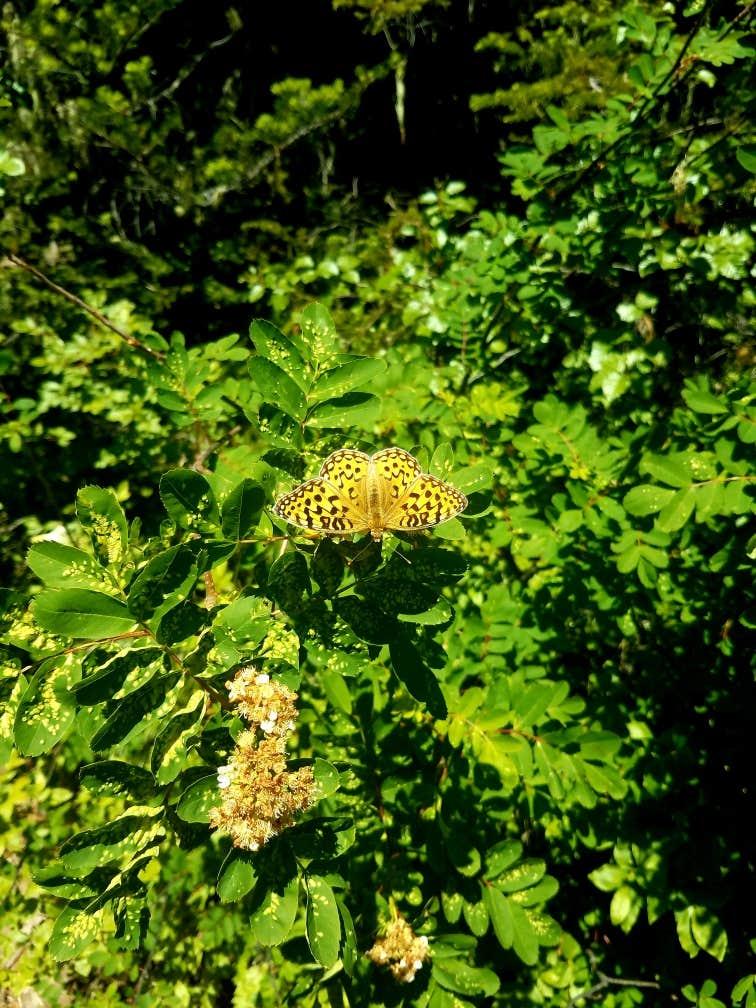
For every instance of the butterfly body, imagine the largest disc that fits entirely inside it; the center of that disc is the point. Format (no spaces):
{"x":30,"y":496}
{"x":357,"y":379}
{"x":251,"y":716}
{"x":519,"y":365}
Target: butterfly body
{"x":359,"y":493}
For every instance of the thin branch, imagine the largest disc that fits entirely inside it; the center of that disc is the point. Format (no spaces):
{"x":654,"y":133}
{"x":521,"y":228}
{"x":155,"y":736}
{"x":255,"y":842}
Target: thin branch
{"x":131,"y":340}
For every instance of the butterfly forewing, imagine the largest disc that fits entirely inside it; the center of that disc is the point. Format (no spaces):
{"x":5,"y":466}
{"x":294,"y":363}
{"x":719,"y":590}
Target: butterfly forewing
{"x":396,"y":469}
{"x":347,"y":470}
{"x":320,"y":506}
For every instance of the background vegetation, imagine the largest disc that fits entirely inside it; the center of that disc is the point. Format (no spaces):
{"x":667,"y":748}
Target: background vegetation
{"x":519,"y":242}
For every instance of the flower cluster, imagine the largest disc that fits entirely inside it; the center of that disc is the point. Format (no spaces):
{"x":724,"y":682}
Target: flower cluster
{"x":401,"y":950}
{"x":260,"y":796}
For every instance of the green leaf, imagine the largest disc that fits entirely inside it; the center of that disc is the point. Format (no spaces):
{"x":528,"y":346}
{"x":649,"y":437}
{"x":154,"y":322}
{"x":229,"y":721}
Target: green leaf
{"x":327,"y":778}
{"x":243,"y":623}
{"x":60,"y":566}
{"x":701,"y":400}
{"x":476,"y":917}
{"x":169,"y":751}
{"x":241,"y":510}
{"x":197,"y":800}
{"x":181,"y":621}
{"x":501,"y":856}
{"x":328,"y":567}
{"x":274,"y":916}
{"x":323,"y":923}
{"x":674,"y":470}
{"x":396,"y":591}
{"x":79,"y":613}
{"x":319,"y":334}
{"x":647,"y":499}
{"x":271,"y":343}
{"x":111,"y":672}
{"x":456,"y":975}
{"x":133,"y":710}
{"x":46,"y":710}
{"x":746,"y":155}
{"x":500,"y":913}
{"x":114,"y":777}
{"x":102,"y":517}
{"x":73,"y":930}
{"x":355,"y":409}
{"x":168,"y":575}
{"x":121,"y":838}
{"x":237,"y":876}
{"x":525,"y":941}
{"x":188,"y":498}
{"x":289,"y":581}
{"x":533,"y":701}
{"x":416,"y":677}
{"x":521,"y":876}
{"x":698,"y":929}
{"x":677,"y":511}
{"x":367,"y":621}
{"x":346,"y":377}
{"x":278,"y":388}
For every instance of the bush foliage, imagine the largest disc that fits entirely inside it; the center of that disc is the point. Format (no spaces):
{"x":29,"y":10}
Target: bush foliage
{"x":509,"y":758}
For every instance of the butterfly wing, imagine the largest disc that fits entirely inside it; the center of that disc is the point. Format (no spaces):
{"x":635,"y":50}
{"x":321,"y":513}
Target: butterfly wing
{"x":428,"y":501}
{"x":320,"y":506}
{"x":395,"y":470}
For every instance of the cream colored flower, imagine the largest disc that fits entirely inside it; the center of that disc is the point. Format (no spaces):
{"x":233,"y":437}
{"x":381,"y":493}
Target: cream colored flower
{"x":401,"y":950}
{"x":260,"y":796}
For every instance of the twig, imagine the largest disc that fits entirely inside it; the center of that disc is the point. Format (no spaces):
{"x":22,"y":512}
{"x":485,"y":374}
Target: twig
{"x":131,"y":340}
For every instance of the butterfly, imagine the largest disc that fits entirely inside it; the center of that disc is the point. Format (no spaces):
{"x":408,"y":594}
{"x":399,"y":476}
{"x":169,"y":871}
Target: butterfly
{"x":355,"y":492}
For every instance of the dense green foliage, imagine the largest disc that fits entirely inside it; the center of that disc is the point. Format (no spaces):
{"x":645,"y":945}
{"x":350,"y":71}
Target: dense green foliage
{"x":528,"y":729}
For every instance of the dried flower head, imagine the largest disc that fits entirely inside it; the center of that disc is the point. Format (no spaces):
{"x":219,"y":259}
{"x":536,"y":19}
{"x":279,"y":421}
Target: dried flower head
{"x":260,"y":796}
{"x":401,"y":950}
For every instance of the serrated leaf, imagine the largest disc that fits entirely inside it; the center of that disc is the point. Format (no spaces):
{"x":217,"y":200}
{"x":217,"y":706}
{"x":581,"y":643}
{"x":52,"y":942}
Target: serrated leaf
{"x":133,"y":710}
{"x":121,"y":838}
{"x":170,"y":574}
{"x":197,"y":800}
{"x":417,"y":678}
{"x":60,"y":566}
{"x":80,"y":613}
{"x":242,"y":509}
{"x":322,"y":922}
{"x":346,"y":377}
{"x":277,"y":388}
{"x":73,"y":930}
{"x":188,"y":498}
{"x":114,"y":777}
{"x":237,"y":876}
{"x":101,"y":515}
{"x":274,"y":917}
{"x":271,"y":343}
{"x":46,"y":709}
{"x":355,"y":409}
